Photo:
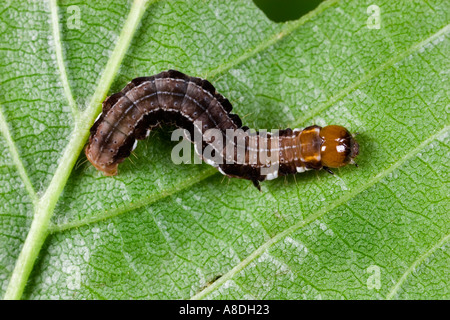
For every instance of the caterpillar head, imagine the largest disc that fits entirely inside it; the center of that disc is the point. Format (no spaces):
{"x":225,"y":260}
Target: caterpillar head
{"x":339,"y":147}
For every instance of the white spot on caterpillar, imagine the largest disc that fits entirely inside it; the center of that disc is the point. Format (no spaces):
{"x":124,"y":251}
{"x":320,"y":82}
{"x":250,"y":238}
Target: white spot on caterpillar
{"x":340,"y":149}
{"x":272,"y":175}
{"x":301,"y":169}
{"x":98,"y":117}
{"x":210,"y":162}
{"x":134,"y":145}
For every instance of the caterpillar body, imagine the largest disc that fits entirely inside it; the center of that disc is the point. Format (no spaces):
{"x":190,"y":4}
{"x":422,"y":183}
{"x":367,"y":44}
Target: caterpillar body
{"x":194,"y":104}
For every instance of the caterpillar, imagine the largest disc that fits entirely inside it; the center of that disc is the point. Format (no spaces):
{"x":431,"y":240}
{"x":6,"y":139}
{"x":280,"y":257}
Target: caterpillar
{"x":193,"y":104}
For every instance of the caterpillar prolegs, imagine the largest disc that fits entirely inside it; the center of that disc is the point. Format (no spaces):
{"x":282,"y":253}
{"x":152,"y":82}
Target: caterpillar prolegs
{"x":193,"y":104}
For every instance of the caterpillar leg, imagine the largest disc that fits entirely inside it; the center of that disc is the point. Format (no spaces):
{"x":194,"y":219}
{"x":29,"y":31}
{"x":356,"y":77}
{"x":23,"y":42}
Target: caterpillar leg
{"x":256,"y":184}
{"x":328,"y":170}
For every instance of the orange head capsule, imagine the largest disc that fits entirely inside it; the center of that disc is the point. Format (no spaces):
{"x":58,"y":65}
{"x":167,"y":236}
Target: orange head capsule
{"x":338,"y":147}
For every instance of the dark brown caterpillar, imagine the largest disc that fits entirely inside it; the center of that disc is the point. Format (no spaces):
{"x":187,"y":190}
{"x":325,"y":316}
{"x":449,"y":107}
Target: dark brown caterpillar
{"x":194,"y":104}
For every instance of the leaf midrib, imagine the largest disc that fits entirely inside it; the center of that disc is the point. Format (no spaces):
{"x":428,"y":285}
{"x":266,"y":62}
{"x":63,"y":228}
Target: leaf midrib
{"x":46,"y":204}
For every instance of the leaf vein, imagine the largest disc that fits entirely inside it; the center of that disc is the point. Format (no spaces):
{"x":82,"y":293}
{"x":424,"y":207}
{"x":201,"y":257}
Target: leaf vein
{"x":342,"y":200}
{"x":290,"y":27}
{"x":60,"y":59}
{"x":371,"y":74}
{"x":16,"y":158}
{"x":46,"y":204}
{"x":414,"y":265}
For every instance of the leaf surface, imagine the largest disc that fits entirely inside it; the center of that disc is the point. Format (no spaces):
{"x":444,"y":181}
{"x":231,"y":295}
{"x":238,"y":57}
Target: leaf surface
{"x":165,"y":231}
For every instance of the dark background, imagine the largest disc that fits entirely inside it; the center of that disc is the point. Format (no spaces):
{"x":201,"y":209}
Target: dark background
{"x":284,"y":10}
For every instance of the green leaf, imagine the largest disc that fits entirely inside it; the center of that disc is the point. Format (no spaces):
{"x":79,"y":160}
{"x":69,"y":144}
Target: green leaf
{"x":160,"y":230}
